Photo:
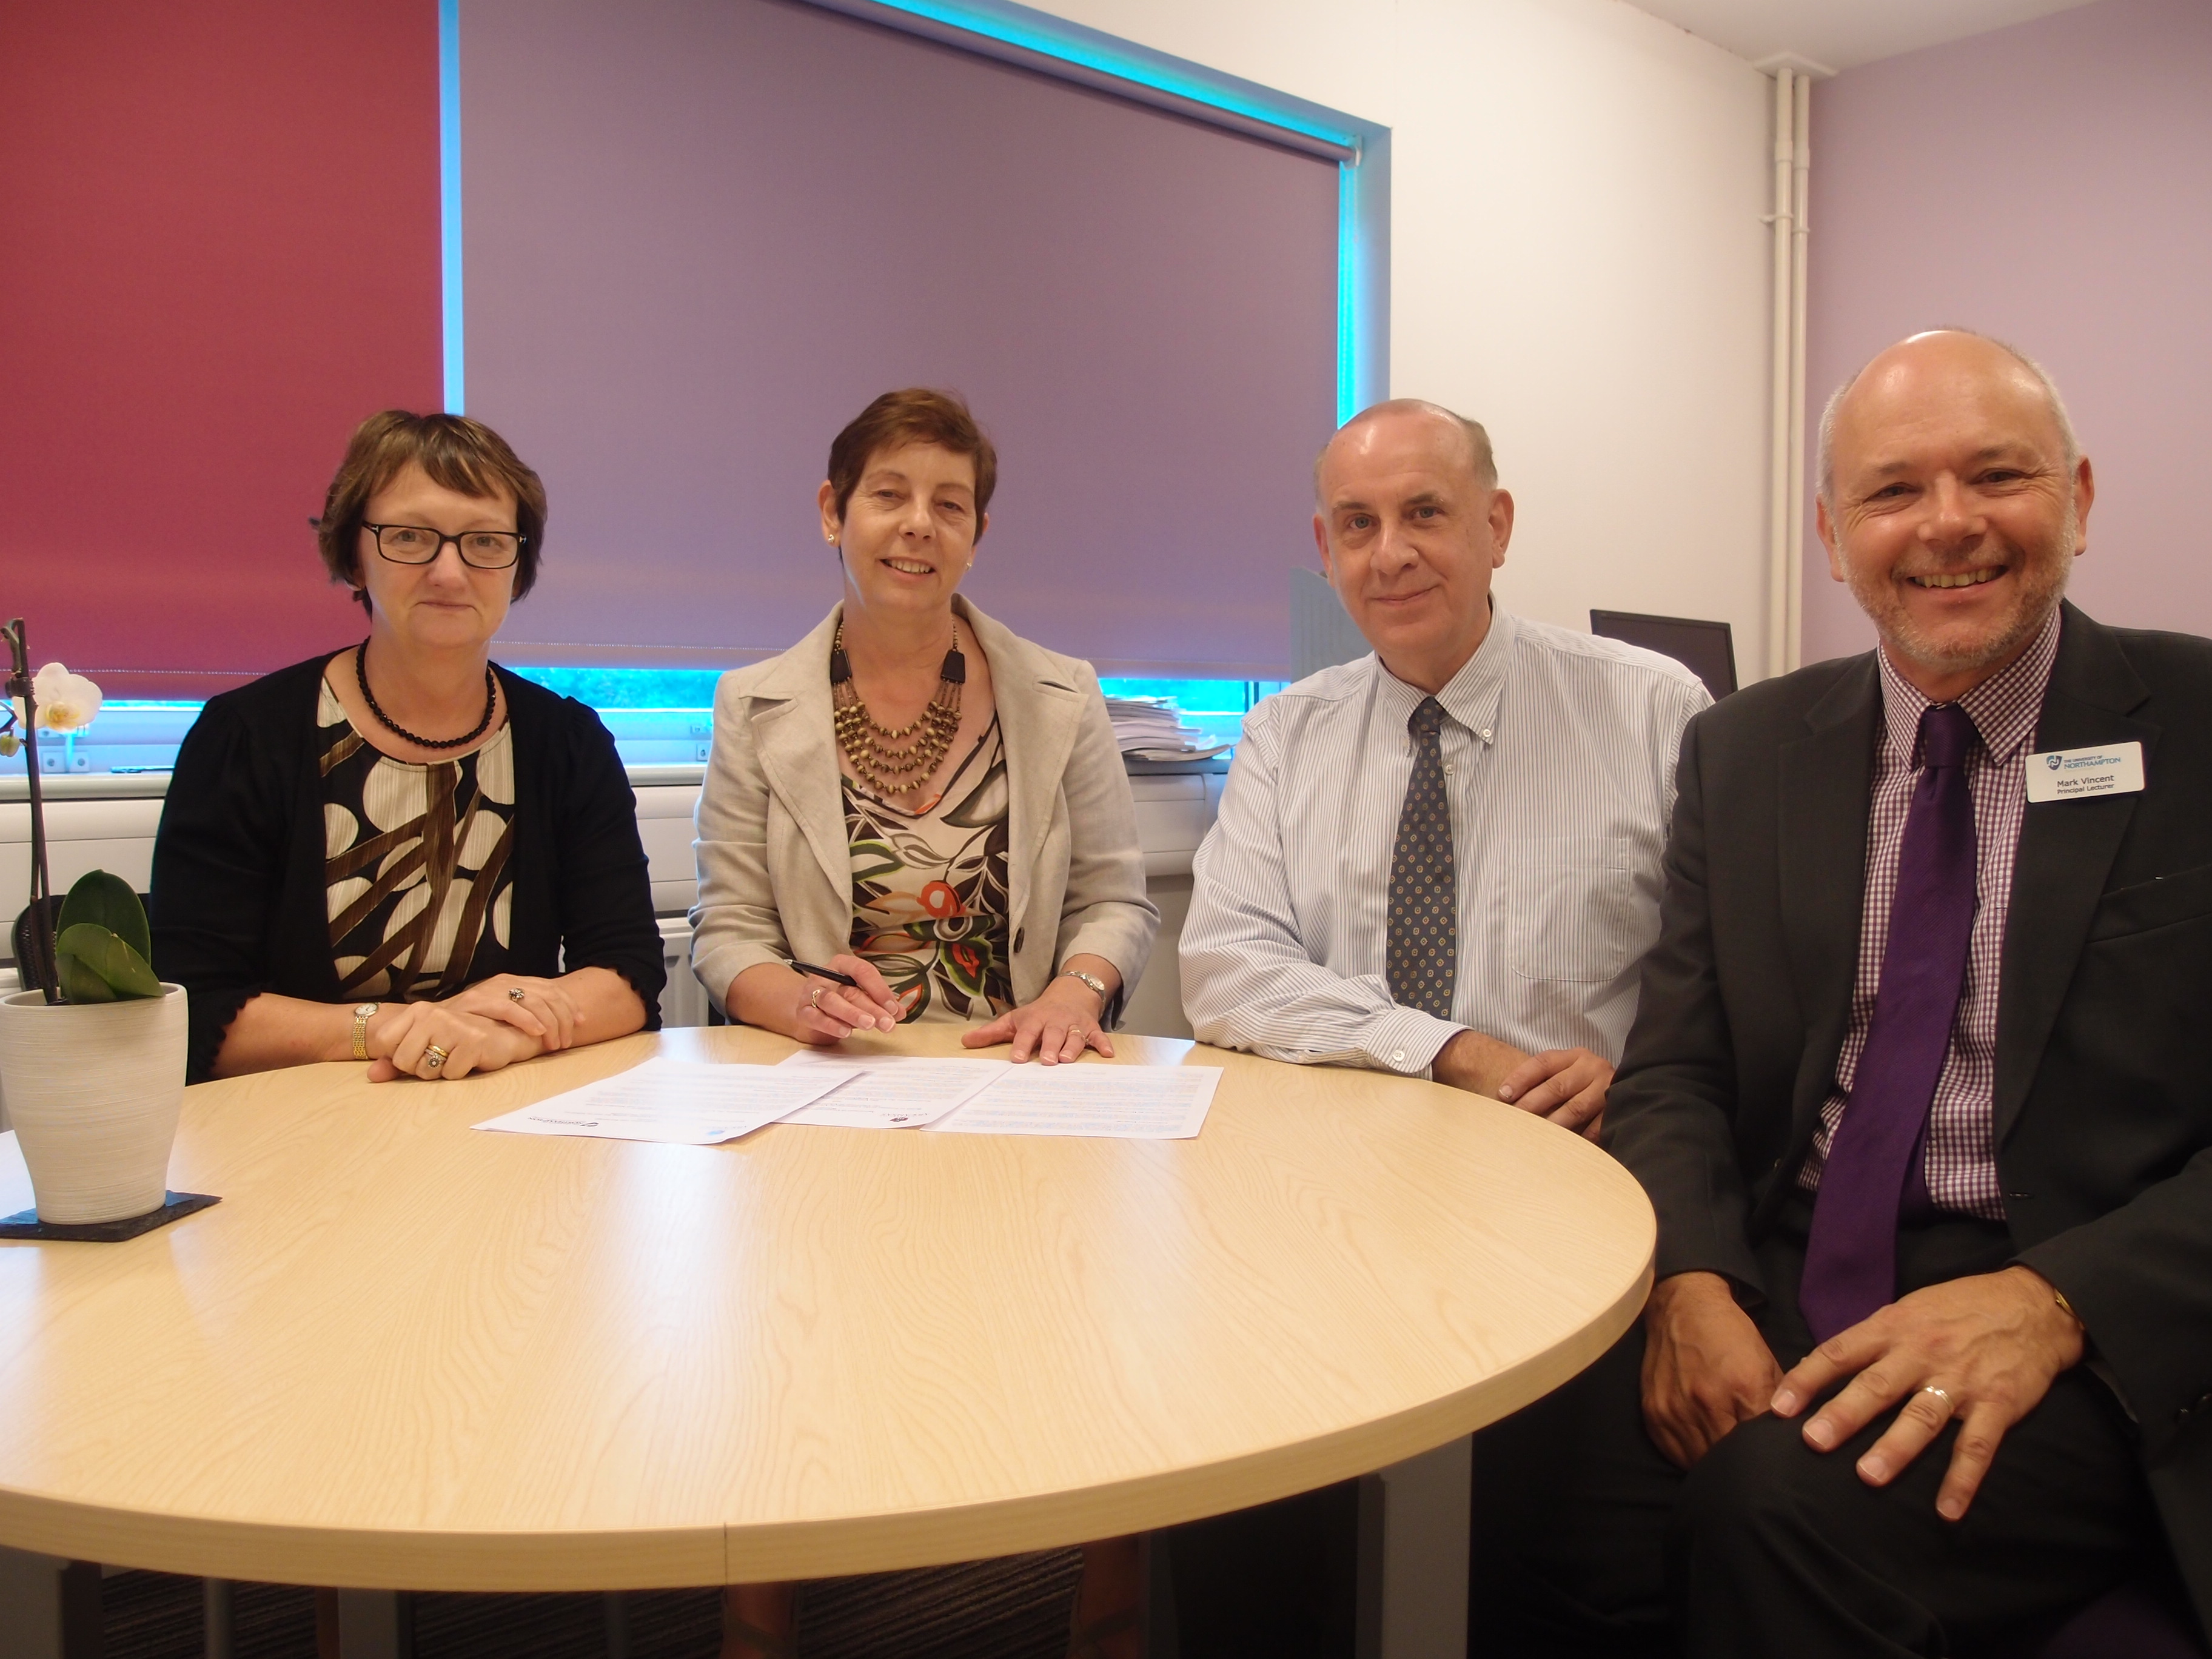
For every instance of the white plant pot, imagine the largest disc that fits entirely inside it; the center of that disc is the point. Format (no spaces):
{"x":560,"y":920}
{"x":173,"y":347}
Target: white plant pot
{"x":93,"y":1092}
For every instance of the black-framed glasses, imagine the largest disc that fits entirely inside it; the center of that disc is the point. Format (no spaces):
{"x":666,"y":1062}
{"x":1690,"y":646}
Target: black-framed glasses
{"x":414,"y":544}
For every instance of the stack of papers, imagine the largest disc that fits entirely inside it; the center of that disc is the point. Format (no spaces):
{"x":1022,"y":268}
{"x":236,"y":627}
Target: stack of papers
{"x":689,"y":1102}
{"x":888,"y":1093}
{"x":698,"y":1104}
{"x":1153,"y":728}
{"x":1120,"y":1103}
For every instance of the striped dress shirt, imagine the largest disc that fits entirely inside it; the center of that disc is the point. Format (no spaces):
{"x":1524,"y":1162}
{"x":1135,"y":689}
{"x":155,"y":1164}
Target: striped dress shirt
{"x":1960,"y":1161}
{"x":1559,"y":753}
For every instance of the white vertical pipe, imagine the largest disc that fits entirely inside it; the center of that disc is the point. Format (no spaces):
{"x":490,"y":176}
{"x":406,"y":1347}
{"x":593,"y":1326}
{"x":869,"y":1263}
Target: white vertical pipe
{"x":1800,"y":230}
{"x":1777,"y":545}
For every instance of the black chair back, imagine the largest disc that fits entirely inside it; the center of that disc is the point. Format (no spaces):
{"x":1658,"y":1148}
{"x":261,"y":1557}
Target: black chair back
{"x":1707,"y":649}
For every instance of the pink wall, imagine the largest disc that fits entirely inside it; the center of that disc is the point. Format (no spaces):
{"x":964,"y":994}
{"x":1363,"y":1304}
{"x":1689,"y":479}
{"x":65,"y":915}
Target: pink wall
{"x":221,"y":252}
{"x":2050,"y":184}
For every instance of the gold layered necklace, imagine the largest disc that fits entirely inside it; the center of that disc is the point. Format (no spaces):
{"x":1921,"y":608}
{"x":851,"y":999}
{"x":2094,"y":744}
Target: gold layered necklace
{"x":896,"y":763}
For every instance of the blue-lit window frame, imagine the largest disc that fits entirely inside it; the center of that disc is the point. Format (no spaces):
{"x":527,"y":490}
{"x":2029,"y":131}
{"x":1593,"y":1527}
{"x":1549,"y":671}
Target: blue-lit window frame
{"x":1053,"y":46}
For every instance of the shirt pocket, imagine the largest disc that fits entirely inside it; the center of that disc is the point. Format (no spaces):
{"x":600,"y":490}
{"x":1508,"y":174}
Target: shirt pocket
{"x":1570,"y":909}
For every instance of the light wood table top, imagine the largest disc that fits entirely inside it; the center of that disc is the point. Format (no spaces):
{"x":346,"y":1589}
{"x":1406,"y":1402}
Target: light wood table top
{"x":400,"y":1354}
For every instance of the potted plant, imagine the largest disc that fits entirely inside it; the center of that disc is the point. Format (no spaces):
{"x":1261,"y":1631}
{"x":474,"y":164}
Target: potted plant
{"x":92,"y":1048}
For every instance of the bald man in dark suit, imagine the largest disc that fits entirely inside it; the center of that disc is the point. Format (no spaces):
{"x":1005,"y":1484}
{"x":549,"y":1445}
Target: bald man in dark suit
{"x":1920,"y":1090}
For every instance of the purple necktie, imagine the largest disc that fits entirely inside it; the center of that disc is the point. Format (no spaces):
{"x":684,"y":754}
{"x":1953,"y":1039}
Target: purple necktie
{"x":1851,"y":1259}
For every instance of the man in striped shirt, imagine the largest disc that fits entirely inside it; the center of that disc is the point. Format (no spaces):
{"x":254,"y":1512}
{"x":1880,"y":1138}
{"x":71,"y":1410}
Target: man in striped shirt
{"x":1441,"y":860}
{"x":1917,"y":1088}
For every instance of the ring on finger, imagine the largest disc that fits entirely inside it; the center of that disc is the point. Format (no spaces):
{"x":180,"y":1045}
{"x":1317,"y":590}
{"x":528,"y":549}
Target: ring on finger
{"x":1943,"y":1394}
{"x":433,"y":1056}
{"x":515,"y":992}
{"x":814,"y":1000}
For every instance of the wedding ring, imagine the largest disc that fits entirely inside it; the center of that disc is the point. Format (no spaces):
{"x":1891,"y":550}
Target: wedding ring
{"x":1943,"y":1394}
{"x":1078,"y":1033}
{"x":433,"y":1056}
{"x":514,"y":990}
{"x":814,"y":1000}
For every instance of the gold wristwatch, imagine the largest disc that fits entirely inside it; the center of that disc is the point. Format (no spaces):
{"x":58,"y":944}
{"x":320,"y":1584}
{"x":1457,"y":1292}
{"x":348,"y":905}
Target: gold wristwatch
{"x":363,"y":1014}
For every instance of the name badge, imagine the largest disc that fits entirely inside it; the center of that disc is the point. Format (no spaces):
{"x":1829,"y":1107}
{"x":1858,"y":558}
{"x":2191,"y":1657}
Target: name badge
{"x":2078,"y":774}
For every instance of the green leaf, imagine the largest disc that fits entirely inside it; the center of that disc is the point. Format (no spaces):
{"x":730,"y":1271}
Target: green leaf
{"x":79,"y":983}
{"x":123,"y":973}
{"x":108,"y":902}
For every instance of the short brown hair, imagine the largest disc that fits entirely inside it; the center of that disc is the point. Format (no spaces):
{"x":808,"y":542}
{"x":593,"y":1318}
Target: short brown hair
{"x":916,"y":415}
{"x":453,"y":451}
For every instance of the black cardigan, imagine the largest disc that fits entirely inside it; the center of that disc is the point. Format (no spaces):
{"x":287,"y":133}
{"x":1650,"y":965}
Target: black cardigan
{"x":238,"y":902}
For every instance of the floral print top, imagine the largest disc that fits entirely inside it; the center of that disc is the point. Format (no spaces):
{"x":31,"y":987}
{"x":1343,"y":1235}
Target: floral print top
{"x":929,"y":891}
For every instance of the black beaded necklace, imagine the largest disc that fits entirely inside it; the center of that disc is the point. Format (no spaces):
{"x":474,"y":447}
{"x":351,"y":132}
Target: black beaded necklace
{"x":360,"y":678}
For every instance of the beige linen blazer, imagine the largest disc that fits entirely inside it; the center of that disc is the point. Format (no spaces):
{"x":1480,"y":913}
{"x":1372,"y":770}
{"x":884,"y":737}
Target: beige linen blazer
{"x":775,"y":867}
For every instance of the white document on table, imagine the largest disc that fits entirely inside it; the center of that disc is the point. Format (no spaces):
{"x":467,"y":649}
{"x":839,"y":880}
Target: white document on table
{"x":889,"y":1092}
{"x":684,"y":1101}
{"x":1125,"y":1102}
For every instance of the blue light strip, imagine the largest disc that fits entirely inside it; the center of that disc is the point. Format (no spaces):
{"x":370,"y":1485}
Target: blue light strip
{"x":1101,"y":53}
{"x":1348,"y":399}
{"x":449,"y":201}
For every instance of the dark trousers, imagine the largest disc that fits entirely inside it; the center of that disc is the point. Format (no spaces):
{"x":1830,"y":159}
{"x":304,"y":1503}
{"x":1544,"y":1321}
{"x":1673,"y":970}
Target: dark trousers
{"x":1278,"y":1581}
{"x":1588,"y":1541}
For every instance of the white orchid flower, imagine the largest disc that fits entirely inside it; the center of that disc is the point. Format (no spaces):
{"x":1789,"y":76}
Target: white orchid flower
{"x":66,"y":700}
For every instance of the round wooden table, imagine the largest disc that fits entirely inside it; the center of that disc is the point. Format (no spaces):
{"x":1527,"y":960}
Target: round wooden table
{"x":401,"y":1353}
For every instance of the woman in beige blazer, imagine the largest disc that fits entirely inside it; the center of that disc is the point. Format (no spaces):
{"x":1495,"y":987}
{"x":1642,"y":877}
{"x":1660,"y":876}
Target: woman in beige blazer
{"x":936,"y":809}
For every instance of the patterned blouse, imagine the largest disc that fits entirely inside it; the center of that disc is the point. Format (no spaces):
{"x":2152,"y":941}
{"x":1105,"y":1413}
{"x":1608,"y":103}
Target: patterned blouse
{"x":929,"y":891}
{"x":416,"y":864}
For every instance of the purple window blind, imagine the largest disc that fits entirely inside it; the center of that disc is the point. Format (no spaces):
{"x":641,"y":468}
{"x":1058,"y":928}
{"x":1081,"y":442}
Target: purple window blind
{"x":701,"y":235}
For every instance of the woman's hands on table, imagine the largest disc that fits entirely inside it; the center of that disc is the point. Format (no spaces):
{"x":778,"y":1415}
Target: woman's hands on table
{"x":1061,"y":1024}
{"x":546,"y":1009}
{"x":1058,"y":1025}
{"x":826,"y":1011}
{"x":436,"y":1040}
{"x":812,"y":1009}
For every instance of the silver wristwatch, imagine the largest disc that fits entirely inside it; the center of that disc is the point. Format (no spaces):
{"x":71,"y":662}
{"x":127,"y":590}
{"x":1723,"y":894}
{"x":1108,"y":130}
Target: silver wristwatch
{"x":1092,"y":980}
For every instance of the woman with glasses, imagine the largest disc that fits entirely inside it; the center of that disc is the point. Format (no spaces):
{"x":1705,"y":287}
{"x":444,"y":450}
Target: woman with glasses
{"x":398,"y":852}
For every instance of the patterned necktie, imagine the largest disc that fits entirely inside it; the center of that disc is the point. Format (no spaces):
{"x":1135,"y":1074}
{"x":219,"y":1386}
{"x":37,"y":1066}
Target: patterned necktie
{"x":1424,"y":956}
{"x":1850,"y":1258}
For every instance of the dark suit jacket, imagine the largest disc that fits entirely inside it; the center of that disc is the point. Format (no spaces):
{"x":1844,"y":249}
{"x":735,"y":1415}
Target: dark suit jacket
{"x":2104,"y":1063}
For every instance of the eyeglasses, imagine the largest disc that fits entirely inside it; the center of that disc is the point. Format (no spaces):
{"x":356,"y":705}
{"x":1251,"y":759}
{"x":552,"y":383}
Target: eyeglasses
{"x":414,"y":543}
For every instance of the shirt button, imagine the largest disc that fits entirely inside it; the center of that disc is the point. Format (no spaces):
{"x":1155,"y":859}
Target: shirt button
{"x":1398,"y":1057}
{"x":1485,"y":734}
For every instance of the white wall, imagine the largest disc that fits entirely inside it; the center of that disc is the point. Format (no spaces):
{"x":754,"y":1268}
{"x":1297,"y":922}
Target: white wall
{"x":1577,"y":261}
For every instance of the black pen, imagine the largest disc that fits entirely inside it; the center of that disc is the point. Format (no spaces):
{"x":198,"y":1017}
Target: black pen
{"x":825,"y":973}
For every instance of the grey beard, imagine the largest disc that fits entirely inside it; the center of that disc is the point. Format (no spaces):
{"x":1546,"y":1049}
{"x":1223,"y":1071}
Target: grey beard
{"x":2046,"y":575}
